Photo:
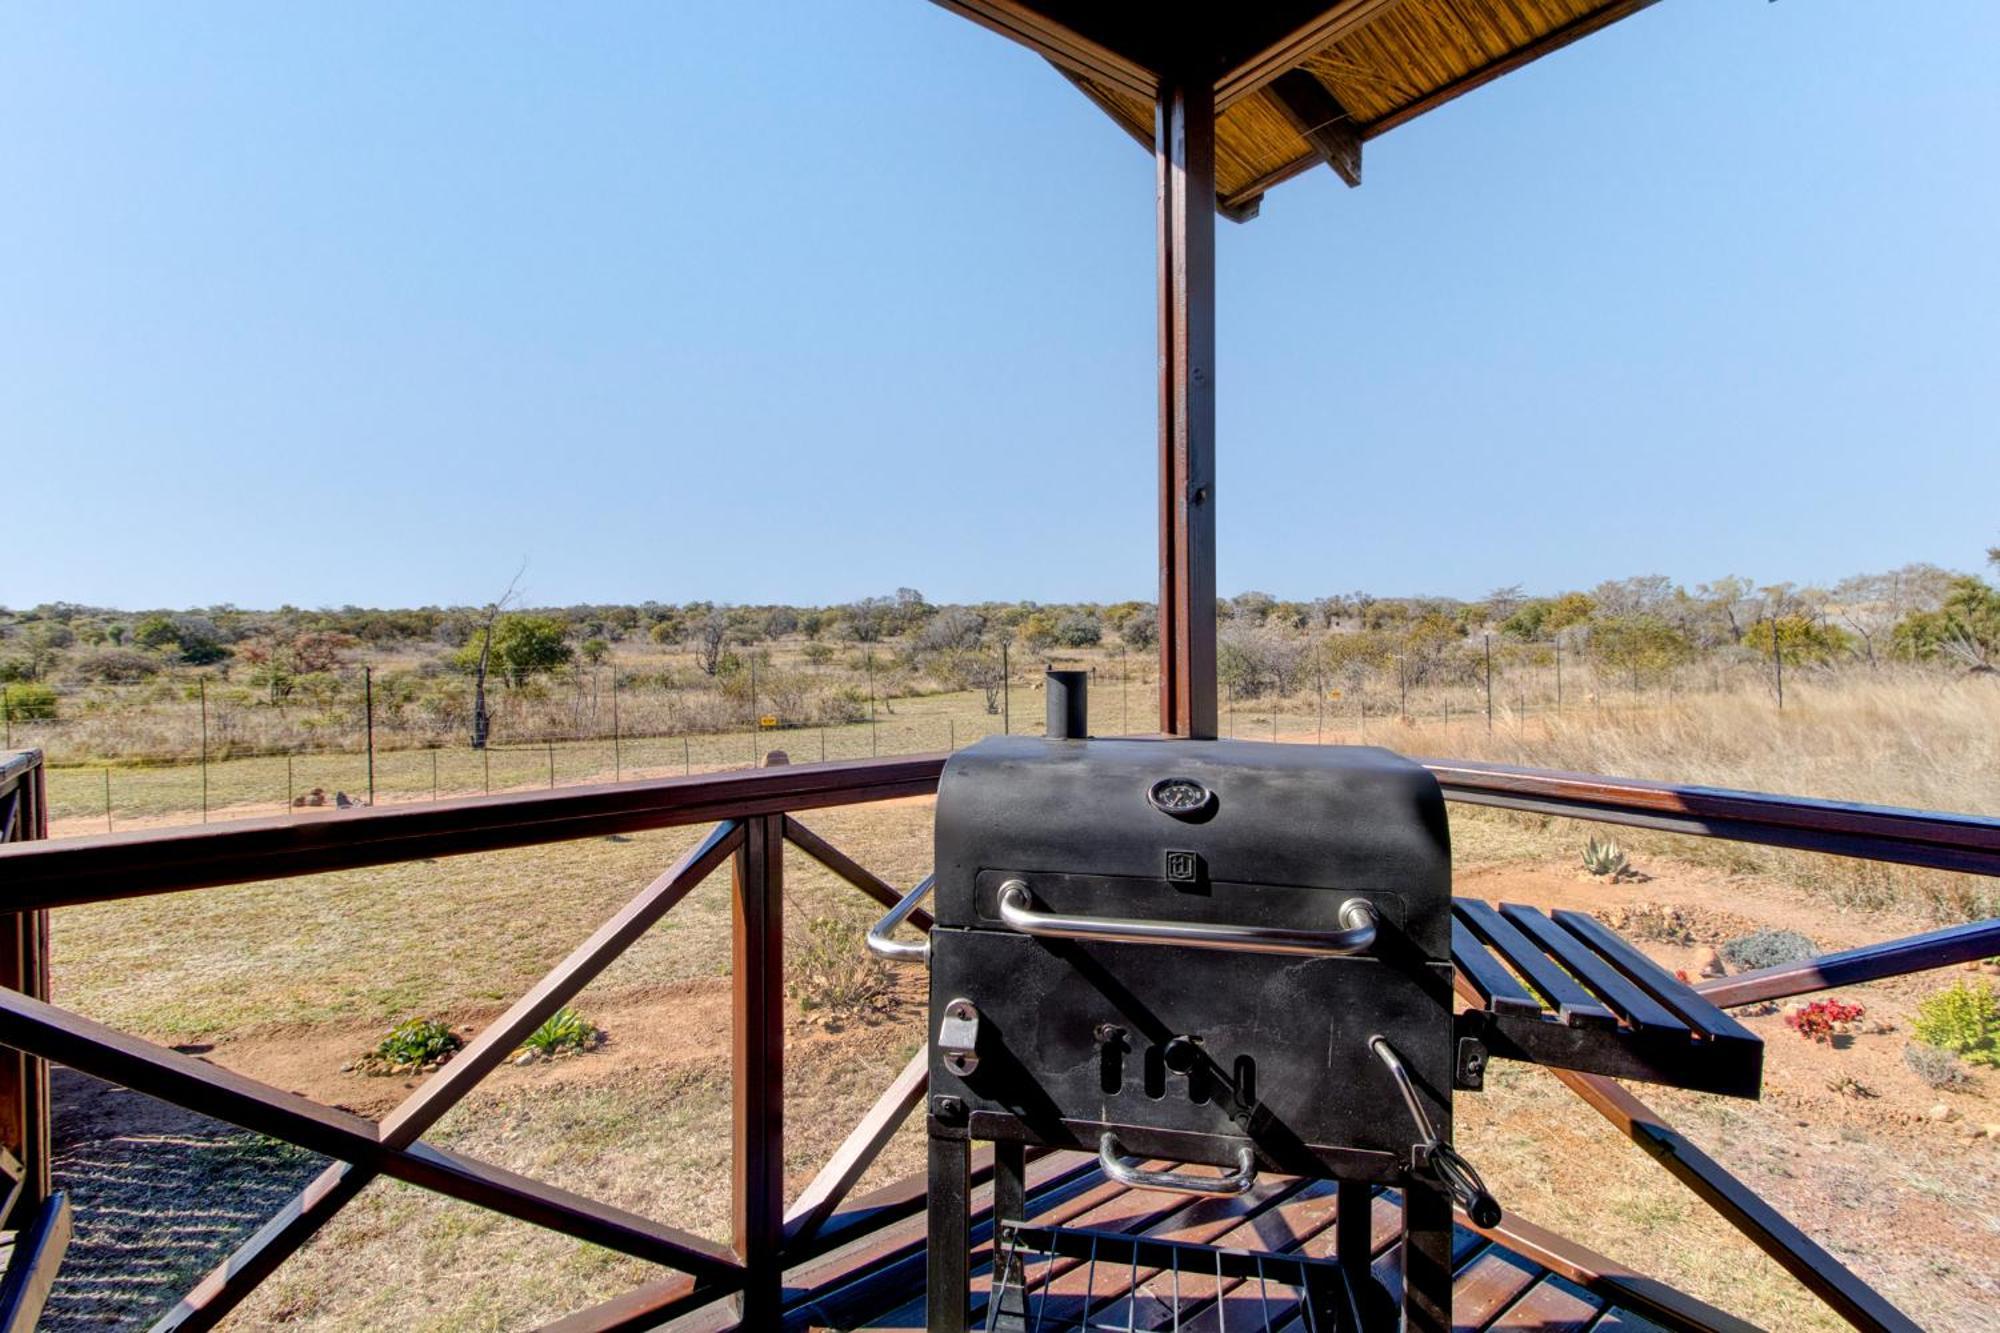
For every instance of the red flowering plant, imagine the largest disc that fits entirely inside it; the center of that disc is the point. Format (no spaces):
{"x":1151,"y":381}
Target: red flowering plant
{"x":1823,"y":1020}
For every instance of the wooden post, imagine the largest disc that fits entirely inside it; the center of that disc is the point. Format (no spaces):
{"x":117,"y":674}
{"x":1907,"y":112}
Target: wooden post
{"x":757,"y":1082}
{"x":1184,"y":154}
{"x":24,"y":967}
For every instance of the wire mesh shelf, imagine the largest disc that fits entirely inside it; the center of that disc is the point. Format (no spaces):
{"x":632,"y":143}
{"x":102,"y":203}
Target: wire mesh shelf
{"x":1053,"y":1279}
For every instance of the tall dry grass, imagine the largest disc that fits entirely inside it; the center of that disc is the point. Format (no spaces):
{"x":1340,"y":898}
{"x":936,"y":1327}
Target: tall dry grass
{"x":1918,"y":739}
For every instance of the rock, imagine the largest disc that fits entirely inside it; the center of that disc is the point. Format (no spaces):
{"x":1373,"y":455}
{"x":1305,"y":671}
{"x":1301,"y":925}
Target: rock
{"x":1940,"y":1113}
{"x":1708,"y":963}
{"x":1968,"y":1130}
{"x":526,"y":1058}
{"x":1992,"y":1131}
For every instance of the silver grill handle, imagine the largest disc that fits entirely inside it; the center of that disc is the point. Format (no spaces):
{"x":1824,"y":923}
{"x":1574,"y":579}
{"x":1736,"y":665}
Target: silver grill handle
{"x":1112,"y":1158}
{"x":902,"y":951}
{"x":1357,"y":916}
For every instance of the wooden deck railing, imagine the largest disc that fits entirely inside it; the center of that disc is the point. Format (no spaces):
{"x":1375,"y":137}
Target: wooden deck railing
{"x":755,"y":817}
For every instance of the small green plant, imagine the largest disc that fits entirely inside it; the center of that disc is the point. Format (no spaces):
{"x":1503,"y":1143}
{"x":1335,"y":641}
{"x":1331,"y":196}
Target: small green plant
{"x":1606,"y":859}
{"x":1963,"y":1019}
{"x":413,"y":1044}
{"x":563,"y":1030}
{"x":1768,"y":948}
{"x":1939,"y":1069}
{"x":831,"y":972}
{"x":29,"y":702}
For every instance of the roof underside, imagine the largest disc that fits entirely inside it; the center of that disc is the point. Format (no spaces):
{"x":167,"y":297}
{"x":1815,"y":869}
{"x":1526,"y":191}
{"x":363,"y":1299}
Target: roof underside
{"x":1297,"y":84}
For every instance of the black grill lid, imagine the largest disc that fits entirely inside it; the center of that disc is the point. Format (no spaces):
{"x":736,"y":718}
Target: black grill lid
{"x":1233,"y":813}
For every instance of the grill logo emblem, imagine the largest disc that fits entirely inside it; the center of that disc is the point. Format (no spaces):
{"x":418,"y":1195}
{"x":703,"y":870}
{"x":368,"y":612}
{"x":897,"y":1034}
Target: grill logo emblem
{"x":1183,"y":798}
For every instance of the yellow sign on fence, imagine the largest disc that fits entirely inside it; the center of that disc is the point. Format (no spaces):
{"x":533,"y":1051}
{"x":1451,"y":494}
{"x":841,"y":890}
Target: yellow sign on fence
{"x":768,"y":720}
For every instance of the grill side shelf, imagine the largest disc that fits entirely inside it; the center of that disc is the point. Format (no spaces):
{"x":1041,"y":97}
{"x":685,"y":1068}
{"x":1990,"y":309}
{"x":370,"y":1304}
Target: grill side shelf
{"x":1572,"y":1003}
{"x":1617,"y":990}
{"x":1661,"y":1030}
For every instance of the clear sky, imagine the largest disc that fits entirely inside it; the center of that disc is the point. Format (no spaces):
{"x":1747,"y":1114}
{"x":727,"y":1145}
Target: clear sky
{"x":805,"y":301}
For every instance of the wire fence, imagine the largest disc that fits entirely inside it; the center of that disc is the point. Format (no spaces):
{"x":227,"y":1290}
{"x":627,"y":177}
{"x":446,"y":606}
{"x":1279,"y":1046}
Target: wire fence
{"x":199,"y":748}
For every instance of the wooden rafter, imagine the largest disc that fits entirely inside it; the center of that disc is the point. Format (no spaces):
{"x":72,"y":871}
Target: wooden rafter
{"x":1320,"y":120}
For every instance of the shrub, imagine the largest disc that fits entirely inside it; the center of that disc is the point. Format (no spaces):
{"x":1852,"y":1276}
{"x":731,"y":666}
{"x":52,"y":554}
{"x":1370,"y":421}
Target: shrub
{"x":1939,"y":1069}
{"x":1823,"y":1020}
{"x":1963,"y":1019}
{"x":411,"y":1045}
{"x":831,"y":970}
{"x":563,"y":1030}
{"x":1768,"y":948}
{"x":26,"y":702}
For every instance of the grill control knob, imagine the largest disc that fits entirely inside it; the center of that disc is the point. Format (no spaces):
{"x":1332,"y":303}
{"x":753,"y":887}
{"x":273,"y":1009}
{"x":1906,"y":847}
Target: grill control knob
{"x":1181,"y":1054}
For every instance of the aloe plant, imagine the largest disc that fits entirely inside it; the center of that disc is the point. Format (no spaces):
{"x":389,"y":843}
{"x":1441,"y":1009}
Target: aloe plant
{"x":1606,"y":859}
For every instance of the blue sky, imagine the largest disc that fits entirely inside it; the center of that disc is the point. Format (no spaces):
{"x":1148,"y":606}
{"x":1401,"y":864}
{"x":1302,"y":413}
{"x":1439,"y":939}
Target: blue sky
{"x":806,"y":301}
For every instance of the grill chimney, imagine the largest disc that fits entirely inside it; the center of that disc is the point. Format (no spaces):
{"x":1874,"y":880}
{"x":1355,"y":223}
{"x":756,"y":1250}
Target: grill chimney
{"x":1069,"y":705}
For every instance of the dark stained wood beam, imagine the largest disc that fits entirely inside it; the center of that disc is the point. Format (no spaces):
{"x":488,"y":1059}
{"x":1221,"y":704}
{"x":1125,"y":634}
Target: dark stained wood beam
{"x":128,"y":865}
{"x":1298,"y":35}
{"x":757,"y":1068}
{"x":1321,"y":120}
{"x":1184,"y":153}
{"x":1870,"y":962}
{"x":1095,"y":41}
{"x":31,"y":1272}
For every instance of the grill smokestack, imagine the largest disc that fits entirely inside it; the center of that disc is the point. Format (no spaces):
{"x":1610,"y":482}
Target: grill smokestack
{"x":1069,"y":705}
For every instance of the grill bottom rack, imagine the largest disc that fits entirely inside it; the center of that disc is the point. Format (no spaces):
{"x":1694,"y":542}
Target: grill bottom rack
{"x":1045,"y":1281}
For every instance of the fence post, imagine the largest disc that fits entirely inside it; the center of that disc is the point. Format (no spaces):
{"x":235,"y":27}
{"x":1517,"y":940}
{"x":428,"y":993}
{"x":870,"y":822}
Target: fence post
{"x":757,"y":1083}
{"x":951,"y":734}
{"x":1489,"y":683}
{"x":552,"y":762}
{"x":486,"y":754}
{"x":1559,"y":671}
{"x":617,"y":759}
{"x":1124,"y":695}
{"x":434,"y":773}
{"x":290,"y":790}
{"x":874,"y":733}
{"x":1403,"y":684}
{"x":107,"y":800}
{"x":368,"y":711}
{"x":822,"y":742}
{"x":687,"y":757}
{"x":1778,"y":665}
{"x":1006,"y":693}
{"x":201,"y":683}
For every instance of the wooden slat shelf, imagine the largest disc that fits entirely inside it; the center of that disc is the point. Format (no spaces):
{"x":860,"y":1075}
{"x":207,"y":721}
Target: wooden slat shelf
{"x":1566,"y":991}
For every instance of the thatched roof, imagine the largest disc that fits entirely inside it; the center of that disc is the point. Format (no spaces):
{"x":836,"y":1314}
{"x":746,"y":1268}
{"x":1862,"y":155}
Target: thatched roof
{"x":1296,"y":84}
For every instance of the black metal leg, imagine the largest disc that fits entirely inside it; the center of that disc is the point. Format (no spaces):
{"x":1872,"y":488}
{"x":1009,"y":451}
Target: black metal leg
{"x":1426,"y":1260}
{"x":1010,"y":1181}
{"x":948,"y":1293}
{"x":1353,"y":1246}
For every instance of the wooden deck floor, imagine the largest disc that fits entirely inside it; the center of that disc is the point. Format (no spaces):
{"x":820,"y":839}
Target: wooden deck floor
{"x":880,"y":1286}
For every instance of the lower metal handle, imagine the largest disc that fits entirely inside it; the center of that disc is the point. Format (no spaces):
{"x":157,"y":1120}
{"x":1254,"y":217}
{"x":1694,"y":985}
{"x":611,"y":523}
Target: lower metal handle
{"x":1116,"y":1165}
{"x":1357,"y":915}
{"x":902,"y":951}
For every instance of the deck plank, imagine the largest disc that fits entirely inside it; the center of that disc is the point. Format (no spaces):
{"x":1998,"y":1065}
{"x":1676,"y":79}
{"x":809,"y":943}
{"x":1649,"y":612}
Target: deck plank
{"x":1487,"y":1284}
{"x":1550,"y":1306}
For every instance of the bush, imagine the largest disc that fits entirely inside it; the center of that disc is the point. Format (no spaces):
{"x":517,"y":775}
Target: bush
{"x":1939,"y":1069}
{"x":831,"y":970}
{"x":1963,"y":1019}
{"x":411,"y":1045}
{"x":29,"y":703}
{"x":1823,"y":1020}
{"x":563,"y":1030}
{"x":1768,"y":948}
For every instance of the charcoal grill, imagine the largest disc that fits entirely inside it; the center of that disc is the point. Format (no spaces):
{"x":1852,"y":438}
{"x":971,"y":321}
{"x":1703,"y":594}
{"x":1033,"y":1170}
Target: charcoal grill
{"x":1240,"y":956}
